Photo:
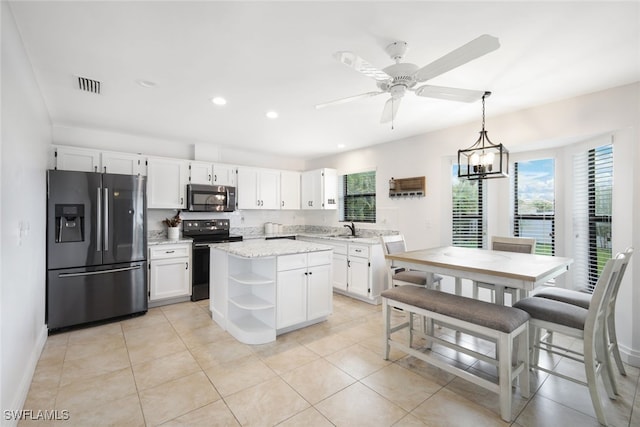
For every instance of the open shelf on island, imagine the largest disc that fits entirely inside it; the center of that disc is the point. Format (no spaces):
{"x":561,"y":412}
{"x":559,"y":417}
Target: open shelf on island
{"x":251,"y":278}
{"x":250,"y":302}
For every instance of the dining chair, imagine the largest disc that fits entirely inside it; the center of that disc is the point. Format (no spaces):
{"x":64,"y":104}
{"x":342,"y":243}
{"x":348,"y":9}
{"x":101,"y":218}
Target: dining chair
{"x":582,"y":298}
{"x":588,"y":325}
{"x":400,"y":276}
{"x":524,"y":245}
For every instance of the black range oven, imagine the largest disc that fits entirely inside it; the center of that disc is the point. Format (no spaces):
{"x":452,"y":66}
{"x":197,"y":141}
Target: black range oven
{"x":204,"y":232}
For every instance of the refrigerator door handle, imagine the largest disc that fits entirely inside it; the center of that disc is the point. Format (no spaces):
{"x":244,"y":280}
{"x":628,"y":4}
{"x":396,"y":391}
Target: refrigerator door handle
{"x":93,"y":273}
{"x":106,"y":219}
{"x":99,"y":220}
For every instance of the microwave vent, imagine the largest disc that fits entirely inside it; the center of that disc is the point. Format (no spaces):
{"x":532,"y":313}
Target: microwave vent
{"x":407,"y":187}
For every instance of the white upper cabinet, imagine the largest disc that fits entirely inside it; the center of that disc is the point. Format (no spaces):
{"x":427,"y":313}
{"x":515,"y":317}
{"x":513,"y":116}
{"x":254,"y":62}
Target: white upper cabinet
{"x":123,"y":163}
{"x":224,"y":174}
{"x":258,"y":188}
{"x":289,"y":190}
{"x":77,"y":159}
{"x":319,"y":189}
{"x":166,"y":183}
{"x":200,"y":173}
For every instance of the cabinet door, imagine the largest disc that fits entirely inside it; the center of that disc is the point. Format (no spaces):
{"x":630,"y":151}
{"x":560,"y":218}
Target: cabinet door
{"x":289,"y":190}
{"x":200,"y":173}
{"x":123,"y":163}
{"x":247,"y":191}
{"x":291,"y":294}
{"x":169,"y":278}
{"x":319,"y":293}
{"x":269,"y":188}
{"x":166,"y":183}
{"x":340,"y":271}
{"x":224,"y":174}
{"x":77,"y":159}
{"x":329,"y":189}
{"x":359,"y":276}
{"x":311,"y":189}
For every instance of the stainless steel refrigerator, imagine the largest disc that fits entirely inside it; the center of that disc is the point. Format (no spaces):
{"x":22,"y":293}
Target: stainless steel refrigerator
{"x":96,"y":247}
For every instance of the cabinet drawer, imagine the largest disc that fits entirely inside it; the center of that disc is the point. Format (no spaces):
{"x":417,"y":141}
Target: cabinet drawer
{"x":359,"y":250}
{"x":169,"y":251}
{"x":338,"y":248}
{"x":320,"y":258}
{"x":291,"y":262}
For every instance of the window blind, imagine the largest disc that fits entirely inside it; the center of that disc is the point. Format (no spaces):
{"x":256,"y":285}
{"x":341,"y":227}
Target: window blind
{"x":592,"y":213}
{"x":359,"y":197}
{"x":534,"y":203}
{"x":468,"y":212}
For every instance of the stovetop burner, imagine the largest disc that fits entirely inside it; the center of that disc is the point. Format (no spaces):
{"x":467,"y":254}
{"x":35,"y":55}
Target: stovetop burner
{"x":208,"y":231}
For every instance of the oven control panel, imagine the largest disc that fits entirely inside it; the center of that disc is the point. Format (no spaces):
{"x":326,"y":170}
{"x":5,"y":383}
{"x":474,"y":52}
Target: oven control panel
{"x":196,"y":225}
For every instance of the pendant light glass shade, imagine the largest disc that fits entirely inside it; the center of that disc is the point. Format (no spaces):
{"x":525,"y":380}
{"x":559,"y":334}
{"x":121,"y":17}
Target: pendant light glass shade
{"x":483,"y":159}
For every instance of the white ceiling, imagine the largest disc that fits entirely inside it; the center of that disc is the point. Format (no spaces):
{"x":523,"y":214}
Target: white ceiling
{"x":278,"y":55}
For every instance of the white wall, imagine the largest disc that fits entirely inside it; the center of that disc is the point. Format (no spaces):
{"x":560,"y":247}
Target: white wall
{"x":26,"y":136}
{"x":550,"y":131}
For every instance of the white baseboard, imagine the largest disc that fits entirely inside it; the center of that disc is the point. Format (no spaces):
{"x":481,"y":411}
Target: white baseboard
{"x":30,"y":368}
{"x":629,"y":356}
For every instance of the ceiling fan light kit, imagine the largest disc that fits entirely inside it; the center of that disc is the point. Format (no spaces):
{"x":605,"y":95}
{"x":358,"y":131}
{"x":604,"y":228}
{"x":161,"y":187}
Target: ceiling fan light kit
{"x":401,"y":77}
{"x":483,"y":159}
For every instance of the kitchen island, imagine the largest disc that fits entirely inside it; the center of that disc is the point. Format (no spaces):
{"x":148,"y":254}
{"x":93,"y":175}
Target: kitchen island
{"x":260,"y":289}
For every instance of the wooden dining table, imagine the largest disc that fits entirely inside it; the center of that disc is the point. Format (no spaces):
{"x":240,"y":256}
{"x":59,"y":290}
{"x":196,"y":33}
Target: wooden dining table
{"x":503,"y":269}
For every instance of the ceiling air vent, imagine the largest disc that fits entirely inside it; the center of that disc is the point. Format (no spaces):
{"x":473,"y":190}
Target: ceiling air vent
{"x":89,"y":85}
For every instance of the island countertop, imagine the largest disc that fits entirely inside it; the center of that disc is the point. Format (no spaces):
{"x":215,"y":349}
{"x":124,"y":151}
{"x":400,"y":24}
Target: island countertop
{"x":267,"y":248}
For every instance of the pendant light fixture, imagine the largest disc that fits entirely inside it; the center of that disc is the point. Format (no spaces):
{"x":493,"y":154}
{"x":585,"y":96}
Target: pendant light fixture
{"x":483,"y":159}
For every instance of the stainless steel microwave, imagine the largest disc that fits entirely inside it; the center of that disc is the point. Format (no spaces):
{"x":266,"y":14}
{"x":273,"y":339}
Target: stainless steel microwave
{"x":210,"y":198}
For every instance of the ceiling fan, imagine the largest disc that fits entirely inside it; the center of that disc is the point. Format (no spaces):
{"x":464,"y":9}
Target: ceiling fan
{"x":401,"y":77}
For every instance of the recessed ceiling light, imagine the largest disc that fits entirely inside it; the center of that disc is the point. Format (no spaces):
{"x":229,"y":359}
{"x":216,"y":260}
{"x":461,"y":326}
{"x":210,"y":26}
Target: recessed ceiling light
{"x":147,"y":83}
{"x":218,"y":100}
{"x":272,"y":114}
{"x":341,"y":145}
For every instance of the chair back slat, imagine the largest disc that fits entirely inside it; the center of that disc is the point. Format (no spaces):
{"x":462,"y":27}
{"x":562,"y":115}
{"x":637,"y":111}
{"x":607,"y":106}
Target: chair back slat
{"x":603,"y":292}
{"x":525,"y":245}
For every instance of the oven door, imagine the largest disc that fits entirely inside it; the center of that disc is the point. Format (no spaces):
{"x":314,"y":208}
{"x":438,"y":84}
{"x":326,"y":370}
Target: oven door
{"x":200,"y":272}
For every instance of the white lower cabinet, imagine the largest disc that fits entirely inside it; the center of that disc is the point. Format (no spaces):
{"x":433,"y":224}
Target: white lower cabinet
{"x":358,"y":268}
{"x":255,"y":299}
{"x":303,"y":289}
{"x":169,"y":273}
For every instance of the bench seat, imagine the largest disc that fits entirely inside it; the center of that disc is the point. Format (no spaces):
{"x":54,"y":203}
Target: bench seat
{"x":506,"y":326}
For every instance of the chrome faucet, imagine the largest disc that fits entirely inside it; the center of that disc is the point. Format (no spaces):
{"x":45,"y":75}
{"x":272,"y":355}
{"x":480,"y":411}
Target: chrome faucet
{"x":351,"y":227}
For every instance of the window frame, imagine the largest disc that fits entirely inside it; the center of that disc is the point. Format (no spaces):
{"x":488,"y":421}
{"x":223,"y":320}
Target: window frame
{"x":347,"y":200}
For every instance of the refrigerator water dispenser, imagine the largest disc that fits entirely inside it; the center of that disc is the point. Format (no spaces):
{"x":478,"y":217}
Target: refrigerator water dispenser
{"x":69,"y":223}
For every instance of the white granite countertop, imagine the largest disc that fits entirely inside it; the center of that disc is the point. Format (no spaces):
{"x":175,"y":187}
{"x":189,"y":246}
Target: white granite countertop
{"x":343,"y":238}
{"x":266,"y":248}
{"x":165,"y":241}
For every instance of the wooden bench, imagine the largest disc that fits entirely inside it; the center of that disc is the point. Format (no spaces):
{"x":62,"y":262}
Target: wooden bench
{"x":506,"y":326}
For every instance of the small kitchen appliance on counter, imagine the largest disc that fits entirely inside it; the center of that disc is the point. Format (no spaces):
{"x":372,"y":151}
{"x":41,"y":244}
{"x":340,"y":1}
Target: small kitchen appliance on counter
{"x":204,"y":232}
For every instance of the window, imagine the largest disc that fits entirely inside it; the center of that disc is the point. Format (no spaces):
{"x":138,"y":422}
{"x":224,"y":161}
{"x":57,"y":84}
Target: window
{"x":469,"y":221}
{"x":592,"y":213}
{"x":534,"y":203}
{"x":359,"y":197}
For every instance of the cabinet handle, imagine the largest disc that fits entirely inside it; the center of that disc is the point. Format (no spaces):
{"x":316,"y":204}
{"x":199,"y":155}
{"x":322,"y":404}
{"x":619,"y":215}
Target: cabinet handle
{"x":306,"y":274}
{"x":182,"y":200}
{"x":105,"y":169}
{"x":258,"y":202}
{"x":215,"y":178}
{"x":310,"y":273}
{"x":283,"y":203}
{"x":187,"y":266}
{"x":169,"y":252}
{"x":348,"y":263}
{"x":95,"y":168}
{"x":209,"y":177}
{"x":358,"y":250}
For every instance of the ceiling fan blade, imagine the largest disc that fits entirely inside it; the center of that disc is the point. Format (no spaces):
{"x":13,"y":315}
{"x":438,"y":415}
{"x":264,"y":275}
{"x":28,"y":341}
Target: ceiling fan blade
{"x":348,"y":99}
{"x":352,"y":60}
{"x":390,"y":110}
{"x":449,"y":93}
{"x":465,"y":53}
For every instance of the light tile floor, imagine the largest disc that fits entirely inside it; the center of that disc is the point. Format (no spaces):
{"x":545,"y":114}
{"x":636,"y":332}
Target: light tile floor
{"x":175,"y":367}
